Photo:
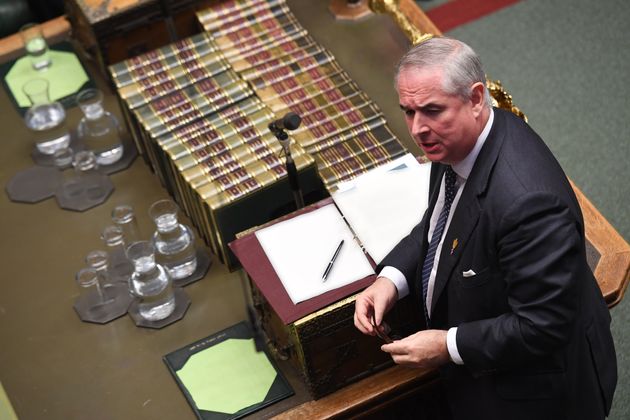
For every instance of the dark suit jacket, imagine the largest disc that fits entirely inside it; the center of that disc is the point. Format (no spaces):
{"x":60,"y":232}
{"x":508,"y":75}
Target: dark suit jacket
{"x":533,"y":328}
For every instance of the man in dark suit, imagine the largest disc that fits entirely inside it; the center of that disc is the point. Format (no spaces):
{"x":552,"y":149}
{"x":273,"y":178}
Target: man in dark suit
{"x":515,"y":319}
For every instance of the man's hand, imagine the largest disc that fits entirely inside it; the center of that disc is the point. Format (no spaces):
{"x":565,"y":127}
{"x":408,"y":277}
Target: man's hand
{"x":377,"y":300}
{"x":424,"y":349}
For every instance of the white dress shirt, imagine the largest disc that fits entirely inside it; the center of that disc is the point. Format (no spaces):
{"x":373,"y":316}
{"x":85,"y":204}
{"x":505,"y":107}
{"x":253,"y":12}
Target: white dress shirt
{"x":462,"y":169}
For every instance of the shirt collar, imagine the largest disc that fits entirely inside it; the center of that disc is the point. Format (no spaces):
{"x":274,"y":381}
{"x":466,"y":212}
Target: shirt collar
{"x":463,"y":168}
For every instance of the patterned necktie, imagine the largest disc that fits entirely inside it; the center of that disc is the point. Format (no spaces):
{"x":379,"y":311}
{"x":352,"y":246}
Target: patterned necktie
{"x":449,"y":194}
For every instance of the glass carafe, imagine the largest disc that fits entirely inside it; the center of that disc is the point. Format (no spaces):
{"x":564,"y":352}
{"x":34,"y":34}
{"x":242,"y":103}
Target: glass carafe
{"x":174,"y":242}
{"x":150,"y":283}
{"x":45,"y":118}
{"x":99,"y":129}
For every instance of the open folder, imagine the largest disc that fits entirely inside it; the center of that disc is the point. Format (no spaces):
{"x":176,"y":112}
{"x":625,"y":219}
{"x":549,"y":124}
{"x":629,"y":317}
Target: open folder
{"x":384,"y":204}
{"x":367,"y":205}
{"x":301,"y":248}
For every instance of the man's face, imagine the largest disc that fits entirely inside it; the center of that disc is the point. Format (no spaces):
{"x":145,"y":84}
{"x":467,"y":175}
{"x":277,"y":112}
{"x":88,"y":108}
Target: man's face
{"x":444,"y":126}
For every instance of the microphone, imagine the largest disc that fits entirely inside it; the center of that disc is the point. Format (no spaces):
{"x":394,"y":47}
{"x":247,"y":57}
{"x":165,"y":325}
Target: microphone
{"x":290,"y":121}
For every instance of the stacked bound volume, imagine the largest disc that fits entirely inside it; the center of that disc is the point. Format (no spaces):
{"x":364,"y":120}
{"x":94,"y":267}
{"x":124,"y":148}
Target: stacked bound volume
{"x":205,"y":134}
{"x":341,"y":127}
{"x":199,"y":110}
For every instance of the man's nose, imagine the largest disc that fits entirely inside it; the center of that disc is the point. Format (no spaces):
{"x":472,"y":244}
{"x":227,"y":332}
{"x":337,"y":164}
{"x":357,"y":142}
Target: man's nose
{"x":419,"y":126}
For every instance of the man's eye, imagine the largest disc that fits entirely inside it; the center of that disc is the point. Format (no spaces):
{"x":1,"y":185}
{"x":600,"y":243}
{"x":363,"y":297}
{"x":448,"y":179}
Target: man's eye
{"x":409,"y":112}
{"x":433,"y":111}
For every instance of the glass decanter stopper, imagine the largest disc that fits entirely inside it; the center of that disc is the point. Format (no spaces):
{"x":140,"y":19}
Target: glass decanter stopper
{"x":174,"y":242}
{"x":150,"y":283}
{"x":45,"y":118}
{"x":124,"y":217}
{"x":99,"y":129}
{"x":119,"y":266}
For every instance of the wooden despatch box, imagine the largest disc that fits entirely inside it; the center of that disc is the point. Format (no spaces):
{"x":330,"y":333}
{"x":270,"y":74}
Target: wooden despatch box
{"x":326,"y":348}
{"x":318,"y":335}
{"x":114,"y":30}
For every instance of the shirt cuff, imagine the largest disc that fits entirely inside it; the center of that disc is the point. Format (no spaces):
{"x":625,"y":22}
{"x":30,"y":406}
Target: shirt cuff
{"x":451,"y":344}
{"x":398,"y":278}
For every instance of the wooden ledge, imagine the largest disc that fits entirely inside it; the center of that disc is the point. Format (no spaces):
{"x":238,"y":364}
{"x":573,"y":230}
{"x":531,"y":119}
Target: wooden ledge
{"x":368,"y":394}
{"x":613,"y":268}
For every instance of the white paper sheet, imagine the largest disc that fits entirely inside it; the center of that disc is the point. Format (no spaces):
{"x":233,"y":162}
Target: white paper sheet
{"x":384,"y":204}
{"x":300,"y":248}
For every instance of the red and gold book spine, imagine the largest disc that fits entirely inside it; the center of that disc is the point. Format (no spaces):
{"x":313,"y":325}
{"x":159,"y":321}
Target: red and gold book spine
{"x":254,"y":30}
{"x":225,"y":8}
{"x":207,"y":159}
{"x":261,"y":41}
{"x":192,"y":135}
{"x":314,"y":145}
{"x":323,"y":78}
{"x":287,"y":70}
{"x":219,"y":157}
{"x":162,"y":58}
{"x":254,"y":10}
{"x":172,"y":119}
{"x":163,"y":83}
{"x":237,"y":185}
{"x":225,"y":162}
{"x":295,"y":56}
{"x":203,"y":89}
{"x":381,"y":138}
{"x":320,"y":94}
{"x":325,"y":122}
{"x":205,"y":93}
{"x":355,"y":165}
{"x":294,"y":48}
{"x":258,"y":173}
{"x":182,"y":147}
{"x":260,"y":21}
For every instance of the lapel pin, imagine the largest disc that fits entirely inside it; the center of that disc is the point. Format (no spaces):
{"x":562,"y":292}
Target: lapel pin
{"x":455,"y":243}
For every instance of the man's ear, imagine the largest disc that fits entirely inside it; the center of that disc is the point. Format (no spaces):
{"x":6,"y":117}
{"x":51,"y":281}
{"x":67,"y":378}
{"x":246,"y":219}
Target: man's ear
{"x":477,"y":98}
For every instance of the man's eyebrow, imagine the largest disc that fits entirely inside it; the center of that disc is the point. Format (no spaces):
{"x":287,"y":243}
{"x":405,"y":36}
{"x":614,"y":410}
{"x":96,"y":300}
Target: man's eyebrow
{"x":430,"y":105}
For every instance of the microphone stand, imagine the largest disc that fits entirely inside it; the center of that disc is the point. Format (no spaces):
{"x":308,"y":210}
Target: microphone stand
{"x":292,"y":174}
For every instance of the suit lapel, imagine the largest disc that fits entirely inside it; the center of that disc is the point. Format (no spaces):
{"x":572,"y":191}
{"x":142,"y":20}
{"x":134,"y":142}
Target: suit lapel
{"x":466,"y":216}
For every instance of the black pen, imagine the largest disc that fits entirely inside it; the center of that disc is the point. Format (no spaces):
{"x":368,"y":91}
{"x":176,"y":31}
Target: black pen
{"x":332,"y":261}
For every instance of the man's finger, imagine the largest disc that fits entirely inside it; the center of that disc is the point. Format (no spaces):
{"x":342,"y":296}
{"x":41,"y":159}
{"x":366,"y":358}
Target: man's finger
{"x":402,"y":359}
{"x":363,"y":324}
{"x":394,"y":348}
